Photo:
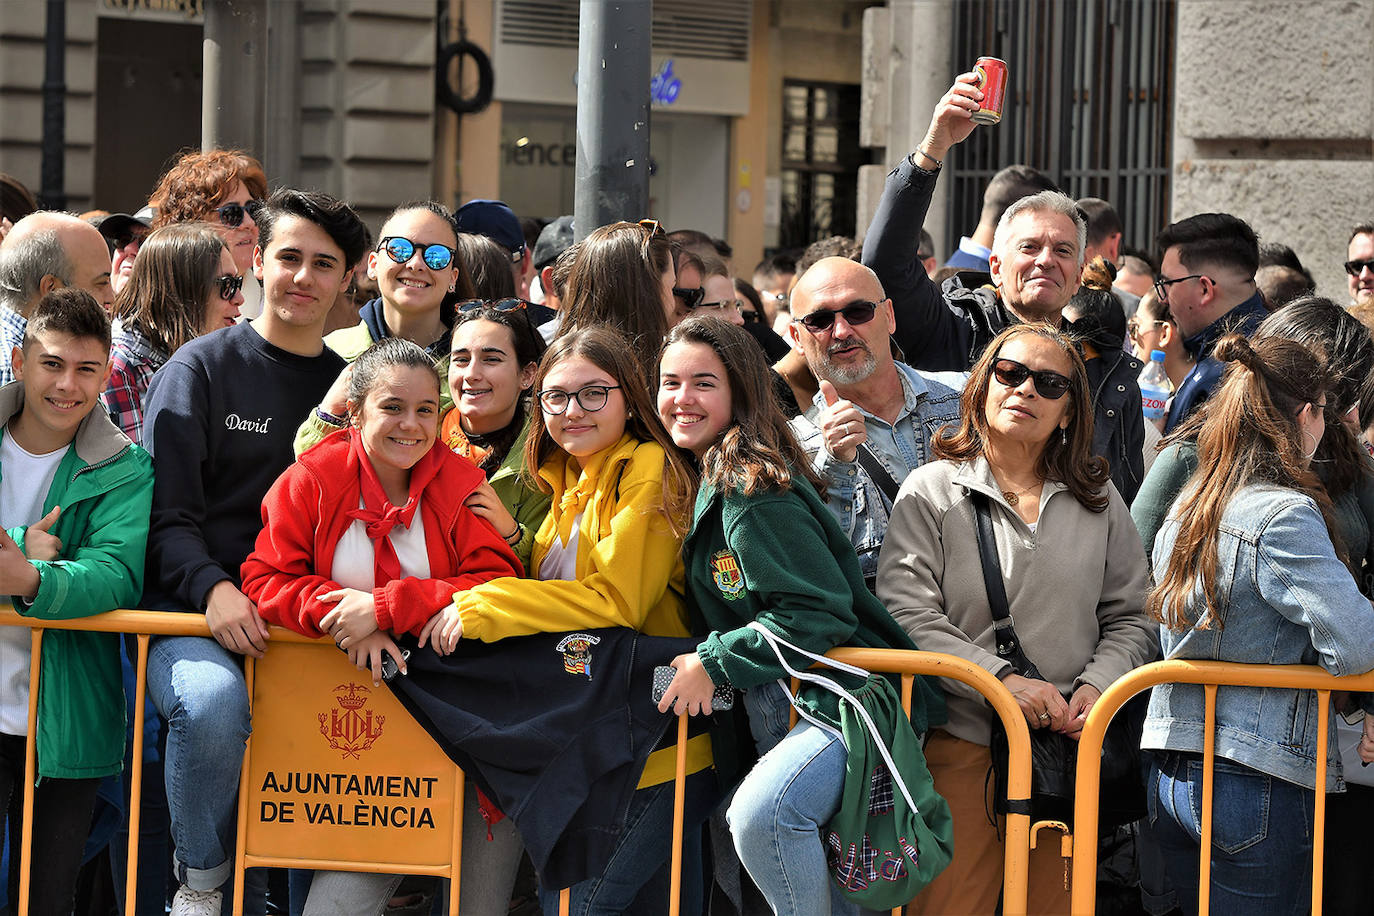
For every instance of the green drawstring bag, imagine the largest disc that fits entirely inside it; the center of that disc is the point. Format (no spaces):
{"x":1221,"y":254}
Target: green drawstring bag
{"x":892,"y":833}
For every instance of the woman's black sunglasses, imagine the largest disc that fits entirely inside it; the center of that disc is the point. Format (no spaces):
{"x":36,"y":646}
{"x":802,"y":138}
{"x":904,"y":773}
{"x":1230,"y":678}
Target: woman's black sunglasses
{"x":401,"y":249}
{"x":231,"y":215}
{"x":1050,"y":385}
{"x":690,"y":297}
{"x":229,"y":286}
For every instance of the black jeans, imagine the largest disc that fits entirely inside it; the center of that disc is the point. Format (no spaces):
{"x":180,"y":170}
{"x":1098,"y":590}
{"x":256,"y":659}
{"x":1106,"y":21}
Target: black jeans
{"x":61,"y":821}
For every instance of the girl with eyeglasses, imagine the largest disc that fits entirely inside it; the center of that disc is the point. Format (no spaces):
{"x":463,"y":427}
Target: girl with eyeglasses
{"x":607,"y":554}
{"x":187,"y":285}
{"x":417,"y":272}
{"x":221,"y":188}
{"x":1072,"y":567}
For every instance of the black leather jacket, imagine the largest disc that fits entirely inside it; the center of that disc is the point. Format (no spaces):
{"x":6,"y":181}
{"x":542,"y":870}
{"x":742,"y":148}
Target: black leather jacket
{"x":946,"y":329}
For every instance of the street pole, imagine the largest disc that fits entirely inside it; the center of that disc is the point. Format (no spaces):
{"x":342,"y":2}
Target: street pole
{"x":613,"y":69}
{"x":53,"y":193}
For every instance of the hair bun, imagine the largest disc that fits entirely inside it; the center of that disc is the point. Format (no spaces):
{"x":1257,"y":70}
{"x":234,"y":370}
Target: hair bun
{"x":1098,"y":274}
{"x":1233,"y":348}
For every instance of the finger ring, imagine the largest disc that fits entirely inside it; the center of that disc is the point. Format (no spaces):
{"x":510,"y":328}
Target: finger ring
{"x":1044,"y":717}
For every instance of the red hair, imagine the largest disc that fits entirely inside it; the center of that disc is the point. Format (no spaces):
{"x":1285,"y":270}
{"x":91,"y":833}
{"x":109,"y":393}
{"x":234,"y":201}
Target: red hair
{"x":200,"y":181}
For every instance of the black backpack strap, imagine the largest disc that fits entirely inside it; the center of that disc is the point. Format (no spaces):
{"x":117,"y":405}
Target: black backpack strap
{"x":1008,"y":645}
{"x":878,"y":473}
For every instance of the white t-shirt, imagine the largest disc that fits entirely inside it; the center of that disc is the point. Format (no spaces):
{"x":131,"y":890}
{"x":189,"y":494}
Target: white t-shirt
{"x":25,"y":480}
{"x":355,"y":558}
{"x":561,"y":560}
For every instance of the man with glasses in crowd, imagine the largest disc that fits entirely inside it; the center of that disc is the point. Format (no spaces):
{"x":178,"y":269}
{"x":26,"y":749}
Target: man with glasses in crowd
{"x":1207,"y":280}
{"x":1359,"y":266}
{"x":125,"y":234}
{"x":873,"y":419}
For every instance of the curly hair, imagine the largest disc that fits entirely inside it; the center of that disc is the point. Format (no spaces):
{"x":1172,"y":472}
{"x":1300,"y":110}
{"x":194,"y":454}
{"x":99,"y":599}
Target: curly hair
{"x":200,"y":181}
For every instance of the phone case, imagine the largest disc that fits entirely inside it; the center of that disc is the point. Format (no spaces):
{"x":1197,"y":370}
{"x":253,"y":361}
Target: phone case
{"x":722,"y":700}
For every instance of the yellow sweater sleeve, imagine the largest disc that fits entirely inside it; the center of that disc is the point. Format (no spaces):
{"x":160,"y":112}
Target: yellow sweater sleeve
{"x":631,"y":576}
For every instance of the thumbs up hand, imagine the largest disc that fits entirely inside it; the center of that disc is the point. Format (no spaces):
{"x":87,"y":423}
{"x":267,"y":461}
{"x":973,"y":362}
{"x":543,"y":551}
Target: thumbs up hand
{"x":17,"y":575}
{"x":39,"y":543}
{"x":841,"y":425}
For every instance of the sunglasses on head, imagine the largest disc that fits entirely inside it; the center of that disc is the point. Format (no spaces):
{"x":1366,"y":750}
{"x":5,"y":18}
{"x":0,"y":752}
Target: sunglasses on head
{"x":1048,"y":384}
{"x":229,"y":286}
{"x":654,"y":227}
{"x":401,"y":249}
{"x":824,"y":319}
{"x":692,"y":298}
{"x":498,"y":305}
{"x":1355,"y":268}
{"x":232,"y":214}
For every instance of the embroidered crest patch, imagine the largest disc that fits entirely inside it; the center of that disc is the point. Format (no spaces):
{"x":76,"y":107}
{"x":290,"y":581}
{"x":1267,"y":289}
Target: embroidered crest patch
{"x":725,"y":570}
{"x":577,"y":653}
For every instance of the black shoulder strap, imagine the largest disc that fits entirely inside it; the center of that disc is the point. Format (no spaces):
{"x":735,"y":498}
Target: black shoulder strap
{"x":878,"y":473}
{"x":1008,"y":645}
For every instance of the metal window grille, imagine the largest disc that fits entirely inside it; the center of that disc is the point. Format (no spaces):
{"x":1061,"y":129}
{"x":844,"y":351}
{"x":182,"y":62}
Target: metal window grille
{"x":1089,"y":102}
{"x":820,"y":161}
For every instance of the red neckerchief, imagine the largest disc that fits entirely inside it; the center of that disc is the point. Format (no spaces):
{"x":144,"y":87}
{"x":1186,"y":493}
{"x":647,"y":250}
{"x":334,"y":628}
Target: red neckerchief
{"x":378,"y":512}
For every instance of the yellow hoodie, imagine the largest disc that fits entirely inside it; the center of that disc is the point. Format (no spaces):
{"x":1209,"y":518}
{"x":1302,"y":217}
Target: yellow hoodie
{"x":629,"y":567}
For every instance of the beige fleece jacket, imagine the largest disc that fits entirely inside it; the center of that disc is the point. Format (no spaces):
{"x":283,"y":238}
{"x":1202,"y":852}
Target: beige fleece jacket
{"x":1076,"y":585}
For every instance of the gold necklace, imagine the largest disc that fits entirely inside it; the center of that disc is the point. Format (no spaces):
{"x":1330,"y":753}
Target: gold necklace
{"x":1013,"y":496}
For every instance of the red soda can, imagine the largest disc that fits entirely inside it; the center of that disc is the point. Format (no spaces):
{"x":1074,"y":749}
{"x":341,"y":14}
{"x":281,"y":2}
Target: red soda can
{"x":992,"y":79}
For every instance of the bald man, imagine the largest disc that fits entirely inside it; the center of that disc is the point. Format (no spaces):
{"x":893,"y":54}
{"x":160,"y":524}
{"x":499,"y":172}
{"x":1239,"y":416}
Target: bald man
{"x":872,"y":421}
{"x":46,"y":251}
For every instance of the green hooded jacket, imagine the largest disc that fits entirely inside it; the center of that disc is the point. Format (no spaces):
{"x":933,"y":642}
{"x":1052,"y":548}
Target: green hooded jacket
{"x":104,"y":485}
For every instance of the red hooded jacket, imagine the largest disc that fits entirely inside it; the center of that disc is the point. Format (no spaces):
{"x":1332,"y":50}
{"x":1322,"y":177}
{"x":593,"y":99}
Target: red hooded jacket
{"x":305,"y":514}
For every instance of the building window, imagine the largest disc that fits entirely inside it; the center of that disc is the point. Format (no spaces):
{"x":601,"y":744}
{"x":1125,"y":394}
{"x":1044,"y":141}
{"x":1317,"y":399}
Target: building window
{"x":820,"y":161}
{"x":1089,"y":102}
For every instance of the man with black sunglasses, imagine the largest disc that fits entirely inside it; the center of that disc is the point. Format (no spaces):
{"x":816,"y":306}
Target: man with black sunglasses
{"x":1359,"y":265}
{"x":873,"y":419}
{"x":1037,"y":253}
{"x":1207,"y":279}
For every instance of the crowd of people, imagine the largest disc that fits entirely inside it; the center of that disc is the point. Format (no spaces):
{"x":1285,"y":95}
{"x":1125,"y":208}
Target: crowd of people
{"x":469,"y":429}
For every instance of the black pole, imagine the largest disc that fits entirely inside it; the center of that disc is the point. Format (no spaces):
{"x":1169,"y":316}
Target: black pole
{"x":53,"y":195}
{"x":612,"y":112}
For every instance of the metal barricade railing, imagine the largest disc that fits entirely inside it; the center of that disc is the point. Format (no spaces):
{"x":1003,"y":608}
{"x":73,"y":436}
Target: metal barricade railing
{"x":145,"y":624}
{"x":1015,"y":873}
{"x":1210,"y":676}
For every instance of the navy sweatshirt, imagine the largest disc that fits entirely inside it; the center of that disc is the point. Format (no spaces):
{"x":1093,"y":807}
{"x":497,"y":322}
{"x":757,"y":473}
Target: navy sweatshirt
{"x":220,"y":418}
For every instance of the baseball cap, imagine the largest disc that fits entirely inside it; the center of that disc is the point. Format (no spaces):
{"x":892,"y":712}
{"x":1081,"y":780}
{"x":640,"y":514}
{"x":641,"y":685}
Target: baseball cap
{"x":554,"y":239}
{"x":117,"y":224}
{"x":495,"y":220}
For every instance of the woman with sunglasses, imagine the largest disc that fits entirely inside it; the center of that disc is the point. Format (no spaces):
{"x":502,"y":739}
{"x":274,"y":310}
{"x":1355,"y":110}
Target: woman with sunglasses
{"x":1152,"y":327}
{"x":1251,"y":568}
{"x":1072,"y":566}
{"x":607,"y":554}
{"x":219,"y":187}
{"x":417,"y":271}
{"x":185,"y":283}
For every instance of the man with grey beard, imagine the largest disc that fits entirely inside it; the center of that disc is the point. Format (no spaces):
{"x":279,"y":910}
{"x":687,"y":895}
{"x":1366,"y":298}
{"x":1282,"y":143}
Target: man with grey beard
{"x":874,"y":418}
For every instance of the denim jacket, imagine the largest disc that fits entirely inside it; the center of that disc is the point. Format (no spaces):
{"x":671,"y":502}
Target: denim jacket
{"x":932,"y":401}
{"x":1285,"y":599}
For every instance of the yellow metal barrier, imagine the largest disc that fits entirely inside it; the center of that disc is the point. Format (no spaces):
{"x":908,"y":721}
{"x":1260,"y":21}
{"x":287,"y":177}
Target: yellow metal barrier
{"x":287,"y":660}
{"x":1210,"y":675}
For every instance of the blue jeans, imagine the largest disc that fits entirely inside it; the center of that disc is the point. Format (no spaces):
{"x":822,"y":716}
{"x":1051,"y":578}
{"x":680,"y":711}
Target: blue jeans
{"x":198,"y":687}
{"x":1261,"y":835}
{"x":782,"y":804}
{"x":644,"y":846}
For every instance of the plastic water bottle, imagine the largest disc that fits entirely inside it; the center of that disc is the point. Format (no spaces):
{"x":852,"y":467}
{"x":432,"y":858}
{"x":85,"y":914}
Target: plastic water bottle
{"x":1154,"y":388}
